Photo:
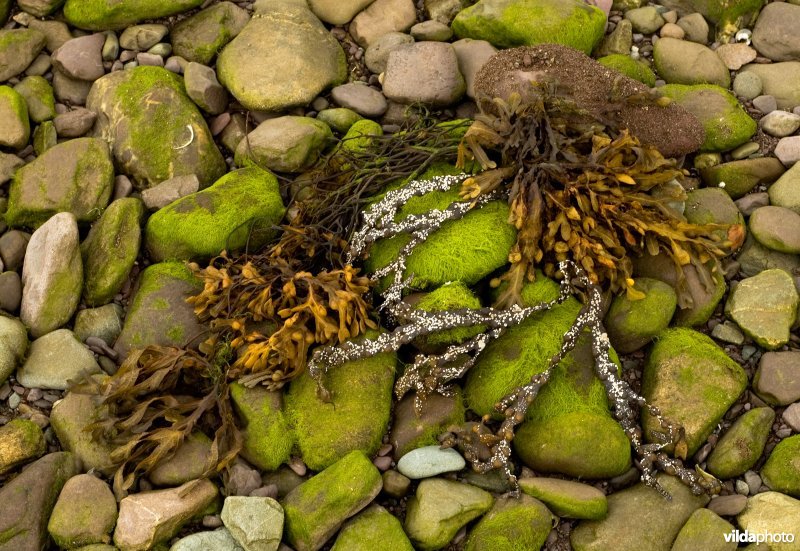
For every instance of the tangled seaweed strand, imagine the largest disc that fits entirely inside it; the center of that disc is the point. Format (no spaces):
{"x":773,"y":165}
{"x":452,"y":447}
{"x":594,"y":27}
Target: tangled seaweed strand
{"x":433,"y":373}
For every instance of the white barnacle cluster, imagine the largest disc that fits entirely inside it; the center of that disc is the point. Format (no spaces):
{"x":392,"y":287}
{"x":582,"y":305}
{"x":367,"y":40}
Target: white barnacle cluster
{"x":434,"y":373}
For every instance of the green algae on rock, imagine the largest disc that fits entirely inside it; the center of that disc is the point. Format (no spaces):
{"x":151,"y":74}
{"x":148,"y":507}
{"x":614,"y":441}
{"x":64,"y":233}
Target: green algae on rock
{"x":374,"y":528}
{"x":84,"y":514}
{"x":629,"y":67}
{"x":450,"y":296}
{"x":781,"y":472}
{"x":692,"y":382}
{"x":739,"y":177}
{"x":159,"y":313}
{"x":199,"y":37}
{"x":765,"y":307}
{"x":154,"y":130}
{"x":15,"y":128}
{"x":110,"y":250}
{"x":704,"y":530}
{"x":512,"y":524}
{"x":18,"y":48}
{"x":631,"y":324}
{"x":284,"y":57}
{"x":75,"y":176}
{"x":639,"y":518}
{"x":70,"y":418}
{"x":21,"y":440}
{"x":38,"y":94}
{"x":317,"y":508}
{"x":355,"y":416}
{"x":567,"y":498}
{"x":726,"y":123}
{"x":101,"y":15}
{"x":570,"y":414}
{"x":268,"y":438}
{"x":440,"y":508}
{"x":742,"y":445}
{"x":284,"y":144}
{"x":239,"y":210}
{"x":509,"y":23}
{"x":466,"y":250}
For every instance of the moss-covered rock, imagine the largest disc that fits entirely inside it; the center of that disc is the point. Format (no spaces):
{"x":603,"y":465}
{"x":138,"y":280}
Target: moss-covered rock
{"x":39,"y":98}
{"x":15,"y":128}
{"x":630,"y":67}
{"x":155,"y":131}
{"x":284,"y":144}
{"x":509,"y":23}
{"x":373,"y":528}
{"x":21,"y":440}
{"x":354,"y":418}
{"x":440,"y":508}
{"x":704,"y":530}
{"x":742,"y":445}
{"x":466,"y":250}
{"x":631,"y":324}
{"x":199,"y":37}
{"x":110,"y":250}
{"x":765,"y":307}
{"x":18,"y":48}
{"x":339,"y":119}
{"x":100,"y":15}
{"x":13,"y":345}
{"x":739,"y":177}
{"x":76,"y":176}
{"x":512,"y":524}
{"x":639,"y":518}
{"x":45,"y":137}
{"x":69,"y":418}
{"x":317,"y":508}
{"x":360,"y":134}
{"x":692,"y":382}
{"x":726,"y":123}
{"x":241,"y":209}
{"x":268,"y":436}
{"x":781,"y":472}
{"x":567,"y":498}
{"x":159,"y":313}
{"x":728,"y":16}
{"x":570,"y":414}
{"x":283,"y":57}
{"x":84,"y":514}
{"x":450,"y":296}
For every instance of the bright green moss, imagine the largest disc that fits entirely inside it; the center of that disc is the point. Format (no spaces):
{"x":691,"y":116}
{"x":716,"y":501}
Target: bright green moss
{"x":200,"y":37}
{"x":630,"y":68}
{"x":339,"y":118}
{"x":781,"y":472}
{"x":450,"y":296}
{"x":375,"y":528}
{"x":356,"y":416}
{"x":20,"y":441}
{"x":725,"y":122}
{"x":314,"y":510}
{"x":465,"y":250}
{"x":39,"y":98}
{"x":632,"y":323}
{"x":567,"y":498}
{"x":359,"y":135}
{"x":513,"y":524}
{"x":14,"y":111}
{"x":509,"y":23}
{"x":742,"y":445}
{"x":268,"y":437}
{"x":241,"y":209}
{"x":99,"y":15}
{"x":110,"y":250}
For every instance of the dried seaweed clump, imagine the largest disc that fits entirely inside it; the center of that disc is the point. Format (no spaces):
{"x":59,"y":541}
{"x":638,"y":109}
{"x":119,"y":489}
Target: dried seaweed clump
{"x":582,"y":188}
{"x":431,"y":373}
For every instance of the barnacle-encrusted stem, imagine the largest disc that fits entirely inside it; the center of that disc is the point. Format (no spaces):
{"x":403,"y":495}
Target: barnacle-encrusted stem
{"x":434,"y":372}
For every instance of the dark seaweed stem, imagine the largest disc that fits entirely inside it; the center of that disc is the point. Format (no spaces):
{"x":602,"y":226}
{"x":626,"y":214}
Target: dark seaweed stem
{"x":434,"y":373}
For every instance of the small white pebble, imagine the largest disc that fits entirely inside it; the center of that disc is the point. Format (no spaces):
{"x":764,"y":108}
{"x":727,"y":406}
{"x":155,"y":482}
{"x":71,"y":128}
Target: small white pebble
{"x":722,"y":184}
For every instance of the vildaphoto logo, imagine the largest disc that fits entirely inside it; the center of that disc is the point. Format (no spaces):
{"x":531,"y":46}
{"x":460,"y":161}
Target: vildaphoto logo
{"x":758,"y":537}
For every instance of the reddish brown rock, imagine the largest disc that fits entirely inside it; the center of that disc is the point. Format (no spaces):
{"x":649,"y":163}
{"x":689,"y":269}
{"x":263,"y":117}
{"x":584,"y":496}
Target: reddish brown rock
{"x":602,"y":91}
